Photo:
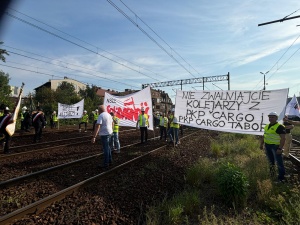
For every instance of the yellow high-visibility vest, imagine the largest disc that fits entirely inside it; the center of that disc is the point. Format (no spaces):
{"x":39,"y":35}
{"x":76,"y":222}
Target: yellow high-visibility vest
{"x":270,"y":135}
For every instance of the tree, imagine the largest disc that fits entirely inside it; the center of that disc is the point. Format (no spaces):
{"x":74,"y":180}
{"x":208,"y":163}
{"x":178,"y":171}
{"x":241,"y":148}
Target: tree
{"x":66,"y":94}
{"x":2,"y":53}
{"x":91,"y":99}
{"x":5,"y":90}
{"x":46,"y":98}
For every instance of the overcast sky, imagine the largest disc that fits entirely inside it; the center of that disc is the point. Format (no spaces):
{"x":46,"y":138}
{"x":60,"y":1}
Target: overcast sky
{"x":123,"y":44}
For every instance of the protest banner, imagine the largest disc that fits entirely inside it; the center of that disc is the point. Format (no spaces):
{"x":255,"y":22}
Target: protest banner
{"x":292,"y":108}
{"x":128,"y":107}
{"x":229,"y":111}
{"x":70,"y":111}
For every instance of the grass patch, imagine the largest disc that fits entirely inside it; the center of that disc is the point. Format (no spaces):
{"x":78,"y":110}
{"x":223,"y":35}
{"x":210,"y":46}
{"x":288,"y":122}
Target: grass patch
{"x":233,"y":187}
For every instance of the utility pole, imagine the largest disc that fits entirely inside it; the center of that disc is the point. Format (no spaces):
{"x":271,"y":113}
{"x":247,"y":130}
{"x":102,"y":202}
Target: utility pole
{"x":264,"y":79}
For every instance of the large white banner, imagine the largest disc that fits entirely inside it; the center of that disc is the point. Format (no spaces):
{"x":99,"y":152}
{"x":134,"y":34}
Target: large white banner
{"x":229,"y":111}
{"x":128,"y":107}
{"x":70,"y":111}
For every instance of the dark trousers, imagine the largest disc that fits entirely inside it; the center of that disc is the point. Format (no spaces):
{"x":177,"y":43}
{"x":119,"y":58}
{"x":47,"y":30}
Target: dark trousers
{"x":38,"y":133}
{"x":85,"y":125}
{"x":163,"y":131}
{"x":144,"y":134}
{"x":7,"y":140}
{"x":94,"y":124}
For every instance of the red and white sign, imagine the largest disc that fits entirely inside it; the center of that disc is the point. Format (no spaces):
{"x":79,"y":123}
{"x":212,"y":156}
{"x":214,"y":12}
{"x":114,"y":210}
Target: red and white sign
{"x":128,"y":107}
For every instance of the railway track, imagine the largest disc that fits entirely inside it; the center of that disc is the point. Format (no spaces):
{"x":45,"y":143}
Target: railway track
{"x":134,"y":153}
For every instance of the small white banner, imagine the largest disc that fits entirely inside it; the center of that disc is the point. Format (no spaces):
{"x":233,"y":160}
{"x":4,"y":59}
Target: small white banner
{"x":229,"y":111}
{"x":70,"y":111}
{"x":128,"y":107}
{"x":292,"y":108}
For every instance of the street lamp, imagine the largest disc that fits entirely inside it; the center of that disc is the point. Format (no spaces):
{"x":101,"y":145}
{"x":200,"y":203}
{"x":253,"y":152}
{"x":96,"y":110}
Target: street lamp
{"x":264,"y":79}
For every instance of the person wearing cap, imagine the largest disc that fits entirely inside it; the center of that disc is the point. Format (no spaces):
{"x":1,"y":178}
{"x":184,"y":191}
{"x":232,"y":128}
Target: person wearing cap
{"x":95,"y":117}
{"x":38,"y":122}
{"x":104,"y":128}
{"x":84,"y":120}
{"x":174,"y":127}
{"x":53,"y":120}
{"x":114,"y":142}
{"x":143,"y":124}
{"x":273,"y":141}
{"x":4,"y":121}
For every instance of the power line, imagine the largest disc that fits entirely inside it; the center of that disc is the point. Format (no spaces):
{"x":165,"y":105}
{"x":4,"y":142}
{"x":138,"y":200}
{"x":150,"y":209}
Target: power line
{"x":280,"y":59}
{"x":67,"y":63}
{"x":69,"y":68}
{"x":84,"y":41}
{"x":148,"y":35}
{"x":74,"y":43}
{"x":158,"y":35}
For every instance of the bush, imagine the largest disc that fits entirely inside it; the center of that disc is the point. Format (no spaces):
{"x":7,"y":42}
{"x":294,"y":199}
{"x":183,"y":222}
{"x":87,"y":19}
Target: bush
{"x":233,"y":185}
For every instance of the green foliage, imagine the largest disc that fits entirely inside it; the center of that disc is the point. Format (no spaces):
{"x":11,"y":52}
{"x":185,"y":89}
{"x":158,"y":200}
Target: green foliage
{"x":92,"y":100}
{"x":200,"y":173}
{"x":244,"y":180}
{"x":2,"y":53}
{"x":46,"y":98}
{"x":233,"y":185}
{"x":5,"y":90}
{"x":66,"y":94}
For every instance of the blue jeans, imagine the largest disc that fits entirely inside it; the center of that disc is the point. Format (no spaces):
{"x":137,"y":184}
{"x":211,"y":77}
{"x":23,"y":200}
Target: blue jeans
{"x":272,"y":157}
{"x":173,"y":131}
{"x":115,"y":143}
{"x":105,"y":139}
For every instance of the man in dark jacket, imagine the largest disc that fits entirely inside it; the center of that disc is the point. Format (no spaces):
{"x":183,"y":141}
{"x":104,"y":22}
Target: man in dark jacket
{"x":4,"y":121}
{"x":38,"y":122}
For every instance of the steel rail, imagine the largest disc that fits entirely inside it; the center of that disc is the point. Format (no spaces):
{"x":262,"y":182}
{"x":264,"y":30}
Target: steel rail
{"x":5,"y":156}
{"x":51,"y":169}
{"x":40,"y":205}
{"x":294,"y":159}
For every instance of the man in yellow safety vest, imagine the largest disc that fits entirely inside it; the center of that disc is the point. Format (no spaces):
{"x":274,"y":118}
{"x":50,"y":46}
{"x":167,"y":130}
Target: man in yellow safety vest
{"x":115,"y":143}
{"x":273,"y":141}
{"x":84,"y":120}
{"x":143,"y":123}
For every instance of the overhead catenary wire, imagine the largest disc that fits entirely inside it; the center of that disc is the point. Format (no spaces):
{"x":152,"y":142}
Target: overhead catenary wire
{"x":72,"y":69}
{"x":149,"y":36}
{"x":60,"y":61}
{"x":86,"y":42}
{"x":276,"y":63}
{"x":158,"y":36}
{"x":74,"y":43}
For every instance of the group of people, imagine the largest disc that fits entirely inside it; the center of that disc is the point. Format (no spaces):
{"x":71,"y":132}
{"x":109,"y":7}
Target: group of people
{"x":168,"y":125}
{"x":37,"y":121}
{"x":277,"y":142}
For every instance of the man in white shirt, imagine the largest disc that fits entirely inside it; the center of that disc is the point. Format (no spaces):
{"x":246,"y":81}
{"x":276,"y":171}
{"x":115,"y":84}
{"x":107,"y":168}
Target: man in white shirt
{"x":104,"y":126}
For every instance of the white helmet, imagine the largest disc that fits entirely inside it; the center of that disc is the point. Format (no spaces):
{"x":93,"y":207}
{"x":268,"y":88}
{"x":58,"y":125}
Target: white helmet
{"x":273,"y":114}
{"x":96,"y":110}
{"x":24,"y":108}
{"x":85,"y":111}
